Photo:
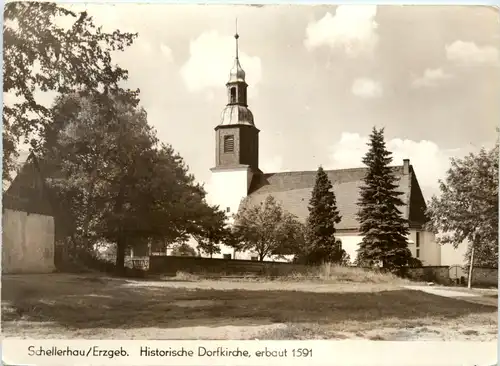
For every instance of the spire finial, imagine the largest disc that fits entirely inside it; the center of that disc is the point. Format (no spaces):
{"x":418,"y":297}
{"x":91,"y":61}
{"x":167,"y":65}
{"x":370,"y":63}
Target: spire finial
{"x":236,"y":36}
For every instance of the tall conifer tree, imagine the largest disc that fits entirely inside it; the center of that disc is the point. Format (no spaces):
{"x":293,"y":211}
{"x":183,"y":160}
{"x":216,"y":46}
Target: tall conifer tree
{"x":382,"y":225}
{"x":323,"y":215}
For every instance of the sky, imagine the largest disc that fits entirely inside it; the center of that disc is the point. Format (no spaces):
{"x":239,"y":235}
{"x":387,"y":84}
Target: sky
{"x":320,"y":78}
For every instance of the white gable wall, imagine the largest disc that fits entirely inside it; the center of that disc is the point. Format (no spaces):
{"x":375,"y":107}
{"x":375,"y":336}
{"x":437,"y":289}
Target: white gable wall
{"x":27,"y":243}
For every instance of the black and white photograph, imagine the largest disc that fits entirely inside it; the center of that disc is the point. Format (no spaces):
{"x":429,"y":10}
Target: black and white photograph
{"x":250,"y":172}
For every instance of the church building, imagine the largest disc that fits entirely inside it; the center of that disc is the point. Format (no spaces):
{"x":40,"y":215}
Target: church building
{"x":237,"y":180}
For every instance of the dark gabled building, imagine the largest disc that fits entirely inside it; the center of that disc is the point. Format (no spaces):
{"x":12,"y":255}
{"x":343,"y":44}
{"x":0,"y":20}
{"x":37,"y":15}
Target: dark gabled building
{"x":28,"y":192}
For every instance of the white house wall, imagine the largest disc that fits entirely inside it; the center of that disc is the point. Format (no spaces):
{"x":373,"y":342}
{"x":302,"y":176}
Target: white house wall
{"x":27,"y":243}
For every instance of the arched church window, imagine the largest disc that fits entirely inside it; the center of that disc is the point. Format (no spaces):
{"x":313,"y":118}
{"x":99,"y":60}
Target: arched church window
{"x":233,"y":94}
{"x":228,"y":143}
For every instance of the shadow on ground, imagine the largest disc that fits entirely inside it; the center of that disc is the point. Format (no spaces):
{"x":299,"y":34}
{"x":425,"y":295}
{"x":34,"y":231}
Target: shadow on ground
{"x":85,"y":303}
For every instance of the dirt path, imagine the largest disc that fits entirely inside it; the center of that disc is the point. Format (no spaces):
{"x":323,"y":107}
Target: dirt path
{"x":27,"y":330}
{"x":442,"y":291}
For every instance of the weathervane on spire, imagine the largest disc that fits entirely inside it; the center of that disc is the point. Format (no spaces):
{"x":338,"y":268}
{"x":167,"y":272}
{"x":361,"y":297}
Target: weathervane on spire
{"x":236,"y":36}
{"x":237,"y":74}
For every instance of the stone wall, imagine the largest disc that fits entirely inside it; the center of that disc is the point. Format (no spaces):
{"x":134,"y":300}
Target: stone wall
{"x":27,"y":242}
{"x":437,"y":274}
{"x":441,"y":274}
{"x":170,"y":265}
{"x":485,"y":276}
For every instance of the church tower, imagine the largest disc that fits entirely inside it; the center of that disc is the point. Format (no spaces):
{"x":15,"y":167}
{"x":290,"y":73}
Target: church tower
{"x":236,"y":144}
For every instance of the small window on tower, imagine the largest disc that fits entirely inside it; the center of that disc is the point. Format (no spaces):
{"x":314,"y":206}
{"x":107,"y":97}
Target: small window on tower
{"x":228,"y":144}
{"x":228,"y":209}
{"x":418,"y":253}
{"x":233,"y":95}
{"x":417,"y":244}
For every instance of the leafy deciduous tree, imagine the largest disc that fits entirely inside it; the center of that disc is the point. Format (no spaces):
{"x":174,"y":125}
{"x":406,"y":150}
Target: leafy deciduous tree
{"x":267,"y":229}
{"x":212,"y":231}
{"x":121,"y":184}
{"x":183,"y":250}
{"x":41,"y":55}
{"x":467,"y":208}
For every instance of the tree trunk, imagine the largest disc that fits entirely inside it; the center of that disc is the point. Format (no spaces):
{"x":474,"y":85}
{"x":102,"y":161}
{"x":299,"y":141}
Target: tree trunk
{"x":471,"y":266}
{"x":88,"y":215}
{"x":120,"y":255}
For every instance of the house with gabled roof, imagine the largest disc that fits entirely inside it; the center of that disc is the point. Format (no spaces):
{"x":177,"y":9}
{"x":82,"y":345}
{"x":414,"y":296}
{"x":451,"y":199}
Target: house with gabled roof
{"x":238,"y":181}
{"x":29,"y":230}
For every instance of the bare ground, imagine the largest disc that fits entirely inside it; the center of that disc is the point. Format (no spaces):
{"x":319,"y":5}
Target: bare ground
{"x":77,"y":306}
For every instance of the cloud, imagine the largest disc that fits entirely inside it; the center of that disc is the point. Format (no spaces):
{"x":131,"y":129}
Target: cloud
{"x":167,"y":53}
{"x":430,"y":78}
{"x":470,"y":54}
{"x":366,"y":88}
{"x":211,"y":59}
{"x":110,"y":16}
{"x":352,"y":28}
{"x":429,"y":161}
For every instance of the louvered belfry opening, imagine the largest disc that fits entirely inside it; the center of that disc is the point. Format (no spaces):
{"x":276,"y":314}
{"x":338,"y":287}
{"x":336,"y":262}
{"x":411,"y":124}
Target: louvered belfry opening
{"x":228,"y":143}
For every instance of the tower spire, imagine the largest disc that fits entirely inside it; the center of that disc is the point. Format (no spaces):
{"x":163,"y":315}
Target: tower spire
{"x":236,"y":36}
{"x":237,"y":74}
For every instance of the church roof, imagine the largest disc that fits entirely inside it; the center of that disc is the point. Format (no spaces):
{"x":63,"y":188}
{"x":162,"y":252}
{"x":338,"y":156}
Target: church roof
{"x":293,"y":191}
{"x":235,"y":114}
{"x":237,"y":74}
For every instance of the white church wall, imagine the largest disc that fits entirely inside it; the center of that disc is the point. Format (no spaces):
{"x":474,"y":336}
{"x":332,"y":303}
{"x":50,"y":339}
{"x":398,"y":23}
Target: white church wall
{"x":350,"y":243}
{"x":429,"y":251}
{"x":244,"y":255}
{"x":432,"y":250}
{"x":248,"y":255}
{"x":228,"y":188}
{"x":412,"y":245}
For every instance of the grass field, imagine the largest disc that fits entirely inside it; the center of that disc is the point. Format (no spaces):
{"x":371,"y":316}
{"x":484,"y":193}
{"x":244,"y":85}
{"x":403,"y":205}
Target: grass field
{"x":90,"y":306}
